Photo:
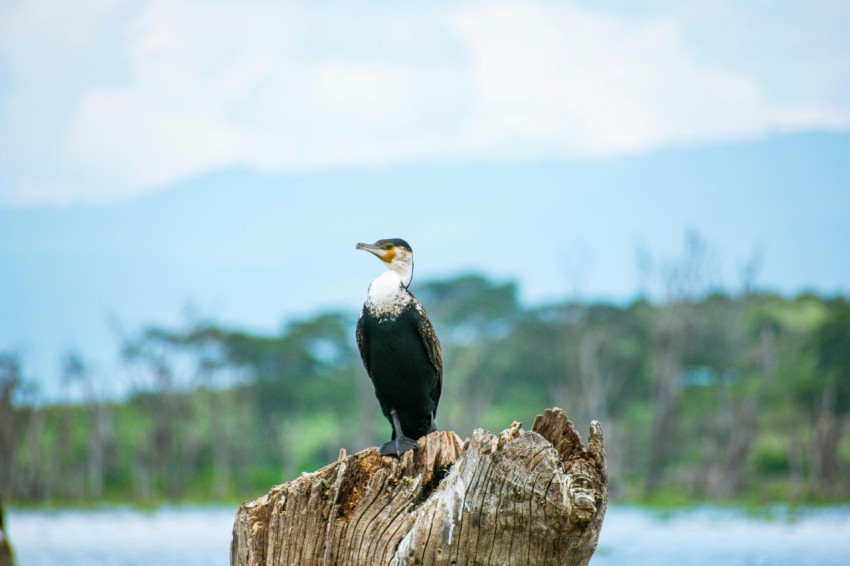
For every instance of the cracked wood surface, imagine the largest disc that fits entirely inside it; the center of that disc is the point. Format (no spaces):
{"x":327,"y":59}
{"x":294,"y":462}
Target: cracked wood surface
{"x":522,"y":497}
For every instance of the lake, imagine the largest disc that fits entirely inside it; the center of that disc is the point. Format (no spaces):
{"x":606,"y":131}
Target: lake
{"x":201,"y":535}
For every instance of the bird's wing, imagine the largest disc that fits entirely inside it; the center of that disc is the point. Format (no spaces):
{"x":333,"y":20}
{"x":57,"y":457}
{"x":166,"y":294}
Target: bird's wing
{"x":361,"y":343}
{"x":432,"y":346}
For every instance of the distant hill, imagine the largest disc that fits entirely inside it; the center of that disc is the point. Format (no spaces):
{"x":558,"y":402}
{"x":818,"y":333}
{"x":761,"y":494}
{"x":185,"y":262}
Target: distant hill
{"x":255,"y":249}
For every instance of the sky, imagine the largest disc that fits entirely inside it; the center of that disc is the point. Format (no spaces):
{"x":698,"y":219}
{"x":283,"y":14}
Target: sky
{"x":104,"y":99}
{"x":228,"y":155}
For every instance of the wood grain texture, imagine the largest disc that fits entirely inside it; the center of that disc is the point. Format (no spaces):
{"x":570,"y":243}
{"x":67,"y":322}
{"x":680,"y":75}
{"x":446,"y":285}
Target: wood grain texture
{"x":522,"y":497}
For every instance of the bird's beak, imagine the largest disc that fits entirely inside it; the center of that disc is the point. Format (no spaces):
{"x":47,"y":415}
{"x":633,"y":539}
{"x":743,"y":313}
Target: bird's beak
{"x":383,"y":255}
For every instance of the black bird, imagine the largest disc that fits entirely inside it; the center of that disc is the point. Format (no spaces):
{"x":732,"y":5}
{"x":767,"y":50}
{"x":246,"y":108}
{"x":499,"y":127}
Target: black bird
{"x":399,"y":348}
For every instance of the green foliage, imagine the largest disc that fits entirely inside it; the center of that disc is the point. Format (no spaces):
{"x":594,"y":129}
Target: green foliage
{"x":831,"y":345}
{"x":770,"y":458}
{"x":220,"y":413}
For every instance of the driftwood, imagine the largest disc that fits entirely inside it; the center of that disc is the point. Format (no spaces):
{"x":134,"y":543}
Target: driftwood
{"x":523,"y":497}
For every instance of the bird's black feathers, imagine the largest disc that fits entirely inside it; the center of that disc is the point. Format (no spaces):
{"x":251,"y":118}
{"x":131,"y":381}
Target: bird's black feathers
{"x":395,"y":242}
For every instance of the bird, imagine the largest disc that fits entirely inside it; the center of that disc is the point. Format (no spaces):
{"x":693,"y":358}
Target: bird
{"x":399,"y":349}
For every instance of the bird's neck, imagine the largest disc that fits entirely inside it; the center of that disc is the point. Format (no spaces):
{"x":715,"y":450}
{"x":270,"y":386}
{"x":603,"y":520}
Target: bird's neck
{"x":404,"y":269}
{"x":388,"y":295}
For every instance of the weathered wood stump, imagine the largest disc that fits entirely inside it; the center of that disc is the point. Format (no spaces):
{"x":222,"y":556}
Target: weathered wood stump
{"x":523,"y":497}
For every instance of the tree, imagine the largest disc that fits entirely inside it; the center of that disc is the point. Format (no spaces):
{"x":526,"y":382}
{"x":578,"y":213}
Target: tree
{"x":829,"y":394}
{"x":740,"y":351}
{"x":160,"y":454}
{"x":683,"y":282}
{"x":10,"y":421}
{"x":6,"y":558}
{"x":99,"y":431}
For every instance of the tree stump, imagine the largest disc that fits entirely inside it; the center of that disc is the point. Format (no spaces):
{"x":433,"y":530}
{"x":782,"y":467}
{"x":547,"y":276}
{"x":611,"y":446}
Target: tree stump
{"x":523,"y":497}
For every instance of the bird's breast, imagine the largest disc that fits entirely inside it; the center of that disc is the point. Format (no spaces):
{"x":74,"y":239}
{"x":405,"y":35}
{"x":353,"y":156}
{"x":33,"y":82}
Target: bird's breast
{"x":387,"y":297}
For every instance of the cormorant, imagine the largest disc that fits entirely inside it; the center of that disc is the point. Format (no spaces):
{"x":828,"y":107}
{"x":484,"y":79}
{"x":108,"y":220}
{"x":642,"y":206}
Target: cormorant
{"x":400,"y":349}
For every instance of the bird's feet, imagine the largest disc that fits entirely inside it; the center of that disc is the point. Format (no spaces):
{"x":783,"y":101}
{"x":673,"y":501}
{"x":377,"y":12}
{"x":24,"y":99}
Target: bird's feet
{"x":397,"y":447}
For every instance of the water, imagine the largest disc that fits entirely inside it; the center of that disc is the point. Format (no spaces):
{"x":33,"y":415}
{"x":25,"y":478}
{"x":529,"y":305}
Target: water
{"x":201,"y":535}
{"x":122,"y":536}
{"x":724,"y":536}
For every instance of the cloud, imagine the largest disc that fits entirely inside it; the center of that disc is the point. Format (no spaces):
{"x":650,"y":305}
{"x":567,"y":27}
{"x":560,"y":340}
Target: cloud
{"x":111,"y":98}
{"x":560,"y":80}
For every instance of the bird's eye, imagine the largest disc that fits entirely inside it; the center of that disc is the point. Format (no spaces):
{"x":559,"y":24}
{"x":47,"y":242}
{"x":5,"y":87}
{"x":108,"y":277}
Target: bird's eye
{"x":388,"y":246}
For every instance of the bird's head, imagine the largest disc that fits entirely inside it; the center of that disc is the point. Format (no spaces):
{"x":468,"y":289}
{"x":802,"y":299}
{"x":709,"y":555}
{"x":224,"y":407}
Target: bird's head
{"x":396,"y":255}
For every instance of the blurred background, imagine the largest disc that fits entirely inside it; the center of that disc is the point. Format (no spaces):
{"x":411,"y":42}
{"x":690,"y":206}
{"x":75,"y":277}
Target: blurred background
{"x":639,"y":213}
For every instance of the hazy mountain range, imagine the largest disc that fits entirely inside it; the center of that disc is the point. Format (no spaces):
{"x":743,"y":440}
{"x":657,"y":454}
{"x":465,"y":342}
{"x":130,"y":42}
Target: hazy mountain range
{"x":254,"y":250}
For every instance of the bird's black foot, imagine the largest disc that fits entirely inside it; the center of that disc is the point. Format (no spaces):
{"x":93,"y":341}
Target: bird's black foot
{"x":397,"y":447}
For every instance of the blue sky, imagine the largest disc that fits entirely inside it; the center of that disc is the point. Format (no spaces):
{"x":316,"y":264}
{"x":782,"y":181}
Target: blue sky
{"x":230,"y":155}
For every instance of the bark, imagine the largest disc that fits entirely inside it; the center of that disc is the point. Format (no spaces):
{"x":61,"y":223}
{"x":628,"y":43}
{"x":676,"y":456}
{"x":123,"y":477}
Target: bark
{"x":523,"y":497}
{"x":6,"y":558}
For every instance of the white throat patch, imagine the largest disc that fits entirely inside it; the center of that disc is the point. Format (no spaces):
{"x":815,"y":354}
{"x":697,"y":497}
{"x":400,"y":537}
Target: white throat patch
{"x":387,"y":296}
